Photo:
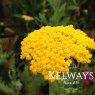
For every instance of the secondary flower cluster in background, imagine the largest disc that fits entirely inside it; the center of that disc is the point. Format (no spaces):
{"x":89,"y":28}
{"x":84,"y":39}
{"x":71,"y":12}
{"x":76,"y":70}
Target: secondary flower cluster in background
{"x":54,"y":48}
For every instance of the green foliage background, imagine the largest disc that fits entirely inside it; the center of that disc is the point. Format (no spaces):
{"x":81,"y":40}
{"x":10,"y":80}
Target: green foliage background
{"x":15,"y":77}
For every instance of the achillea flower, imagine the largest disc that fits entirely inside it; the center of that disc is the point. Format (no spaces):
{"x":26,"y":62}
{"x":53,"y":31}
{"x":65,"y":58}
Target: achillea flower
{"x":54,"y":48}
{"x":27,"y":18}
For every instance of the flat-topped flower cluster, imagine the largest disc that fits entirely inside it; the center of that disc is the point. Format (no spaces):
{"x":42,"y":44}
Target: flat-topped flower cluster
{"x":54,"y":48}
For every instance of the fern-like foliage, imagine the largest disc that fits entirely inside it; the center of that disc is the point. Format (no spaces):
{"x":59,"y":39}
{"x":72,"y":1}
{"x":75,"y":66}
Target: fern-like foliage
{"x":9,"y":84}
{"x":6,"y":88}
{"x":31,"y":83}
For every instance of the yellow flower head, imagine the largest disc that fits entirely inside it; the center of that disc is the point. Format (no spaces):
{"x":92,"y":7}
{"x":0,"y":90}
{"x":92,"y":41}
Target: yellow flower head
{"x":54,"y":48}
{"x":27,"y":18}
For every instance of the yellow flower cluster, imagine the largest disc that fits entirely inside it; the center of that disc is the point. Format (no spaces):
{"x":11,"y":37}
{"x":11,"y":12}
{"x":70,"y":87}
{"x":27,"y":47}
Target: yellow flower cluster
{"x":54,"y":48}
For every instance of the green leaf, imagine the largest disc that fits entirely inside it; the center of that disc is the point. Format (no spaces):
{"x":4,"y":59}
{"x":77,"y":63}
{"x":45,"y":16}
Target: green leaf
{"x":55,"y":4}
{"x":62,"y":8}
{"x":65,"y":21}
{"x":74,"y":2}
{"x":42,"y":17}
{"x":91,"y":90}
{"x":73,"y":7}
{"x":12,"y":68}
{"x":32,"y":83}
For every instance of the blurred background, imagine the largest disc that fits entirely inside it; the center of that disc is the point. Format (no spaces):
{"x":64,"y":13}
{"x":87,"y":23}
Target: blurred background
{"x":20,"y":17}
